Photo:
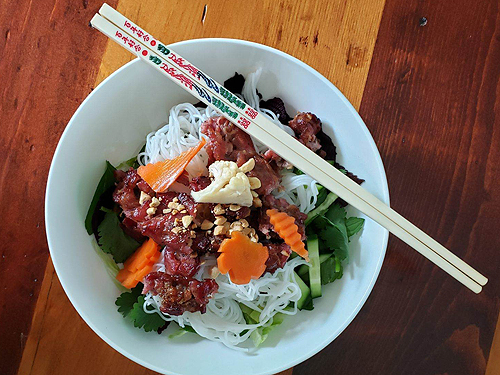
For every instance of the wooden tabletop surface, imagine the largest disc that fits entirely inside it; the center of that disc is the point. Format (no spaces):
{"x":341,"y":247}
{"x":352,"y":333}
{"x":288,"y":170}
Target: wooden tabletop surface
{"x":425,"y":78}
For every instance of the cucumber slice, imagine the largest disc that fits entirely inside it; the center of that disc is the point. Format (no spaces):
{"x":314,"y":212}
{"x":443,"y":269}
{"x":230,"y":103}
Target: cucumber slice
{"x":314,"y":269}
{"x":303,"y":269}
{"x":306,"y":292}
{"x":322,"y":208}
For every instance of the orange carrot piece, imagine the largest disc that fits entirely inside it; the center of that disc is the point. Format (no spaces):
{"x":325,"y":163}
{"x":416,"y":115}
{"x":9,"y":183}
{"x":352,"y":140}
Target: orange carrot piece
{"x":162,"y":174}
{"x":127,"y":279}
{"x":139,"y":264}
{"x":241,"y":258}
{"x":146,"y":251}
{"x":285,"y":226}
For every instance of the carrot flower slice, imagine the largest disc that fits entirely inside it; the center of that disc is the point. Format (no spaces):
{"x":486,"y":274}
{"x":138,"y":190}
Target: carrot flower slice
{"x":139,"y":264}
{"x":162,"y":174}
{"x":241,"y":258}
{"x":285,"y":226}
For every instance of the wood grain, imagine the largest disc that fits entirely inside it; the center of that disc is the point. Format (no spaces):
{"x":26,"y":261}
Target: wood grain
{"x":432,"y":104}
{"x":45,"y":73}
{"x":335,"y":37}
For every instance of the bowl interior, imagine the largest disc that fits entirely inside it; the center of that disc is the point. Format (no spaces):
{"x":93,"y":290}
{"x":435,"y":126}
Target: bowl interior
{"x":112,"y":124}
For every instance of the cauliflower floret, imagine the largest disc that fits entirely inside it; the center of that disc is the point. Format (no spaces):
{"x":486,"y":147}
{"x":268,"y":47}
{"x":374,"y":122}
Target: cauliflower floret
{"x":229,"y":185}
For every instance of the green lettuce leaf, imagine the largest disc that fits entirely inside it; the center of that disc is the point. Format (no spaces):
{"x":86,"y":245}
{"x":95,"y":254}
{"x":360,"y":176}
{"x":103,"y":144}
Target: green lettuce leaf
{"x":113,"y":240}
{"x":107,"y":181}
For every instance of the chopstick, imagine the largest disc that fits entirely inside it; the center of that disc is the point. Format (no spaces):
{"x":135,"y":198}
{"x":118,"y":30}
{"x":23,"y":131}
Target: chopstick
{"x":209,"y":91}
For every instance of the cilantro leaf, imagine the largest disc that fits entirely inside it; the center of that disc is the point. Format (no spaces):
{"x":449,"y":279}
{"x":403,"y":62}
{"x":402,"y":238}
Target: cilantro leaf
{"x":126,"y":300}
{"x":336,"y":213}
{"x":334,"y":236}
{"x":141,"y":319}
{"x":113,"y":240}
{"x":106,"y":182}
{"x":354,"y":225}
{"x":331,"y":270}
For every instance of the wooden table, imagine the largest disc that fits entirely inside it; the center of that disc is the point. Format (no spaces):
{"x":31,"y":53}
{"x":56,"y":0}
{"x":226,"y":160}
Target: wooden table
{"x":425,"y":78}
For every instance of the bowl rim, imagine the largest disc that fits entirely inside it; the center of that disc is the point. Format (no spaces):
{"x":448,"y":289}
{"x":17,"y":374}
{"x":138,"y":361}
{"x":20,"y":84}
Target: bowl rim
{"x":385,"y":198}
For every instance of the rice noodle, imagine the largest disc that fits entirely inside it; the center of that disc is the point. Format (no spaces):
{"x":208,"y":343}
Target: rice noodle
{"x":223,"y":321}
{"x":300,"y":190}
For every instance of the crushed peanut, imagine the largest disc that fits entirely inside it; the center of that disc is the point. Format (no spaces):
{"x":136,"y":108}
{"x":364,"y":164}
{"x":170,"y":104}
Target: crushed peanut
{"x":155,"y":202}
{"x":176,"y":230}
{"x":207,"y":224}
{"x":175,"y":212}
{"x":248,"y":166}
{"x":219,"y":210}
{"x":151,"y":210}
{"x":143,"y":198}
{"x":284,"y":253}
{"x":180,"y":207}
{"x":244,"y":223}
{"x":187,"y":220}
{"x":192,"y":234}
{"x":184,"y":212}
{"x":166,"y":211}
{"x":175,"y":200}
{"x":219,"y":229}
{"x":171,"y":205}
{"x":254,"y":183}
{"x":234,"y":207}
{"x":220,"y":220}
{"x":246,"y":231}
{"x":254,"y":194}
{"x":257,"y":202}
{"x":236,"y":226}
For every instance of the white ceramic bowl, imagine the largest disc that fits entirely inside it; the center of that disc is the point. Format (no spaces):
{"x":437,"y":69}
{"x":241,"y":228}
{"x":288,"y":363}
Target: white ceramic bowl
{"x":111,"y":124}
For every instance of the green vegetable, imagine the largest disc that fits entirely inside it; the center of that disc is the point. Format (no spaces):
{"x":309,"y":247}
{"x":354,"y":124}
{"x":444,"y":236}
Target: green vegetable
{"x":305,"y":292}
{"x":331,"y":270}
{"x":314,"y":269}
{"x":252,"y":317}
{"x":181,"y":332}
{"x":106,"y":182}
{"x":141,"y":319}
{"x":113,"y":240}
{"x":323,"y":193}
{"x":110,"y":265}
{"x":304,"y":269}
{"x":125,"y":165}
{"x":334,"y":232}
{"x":130,"y":305}
{"x":126,"y":300}
{"x":354,"y":225}
{"x":321,"y":209}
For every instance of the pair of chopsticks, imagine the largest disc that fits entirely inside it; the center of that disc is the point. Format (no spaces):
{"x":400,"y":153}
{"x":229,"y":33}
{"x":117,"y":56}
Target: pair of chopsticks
{"x":183,"y":73}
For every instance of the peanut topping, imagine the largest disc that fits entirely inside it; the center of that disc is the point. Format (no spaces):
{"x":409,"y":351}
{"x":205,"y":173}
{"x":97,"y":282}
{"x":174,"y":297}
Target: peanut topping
{"x":248,"y":166}
{"x":234,"y":207}
{"x":219,"y":210}
{"x":206,"y":225}
{"x":155,"y":202}
{"x":187,"y":220}
{"x":143,"y":198}
{"x":220,"y":220}
{"x":257,"y":202}
{"x":254,"y":183}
